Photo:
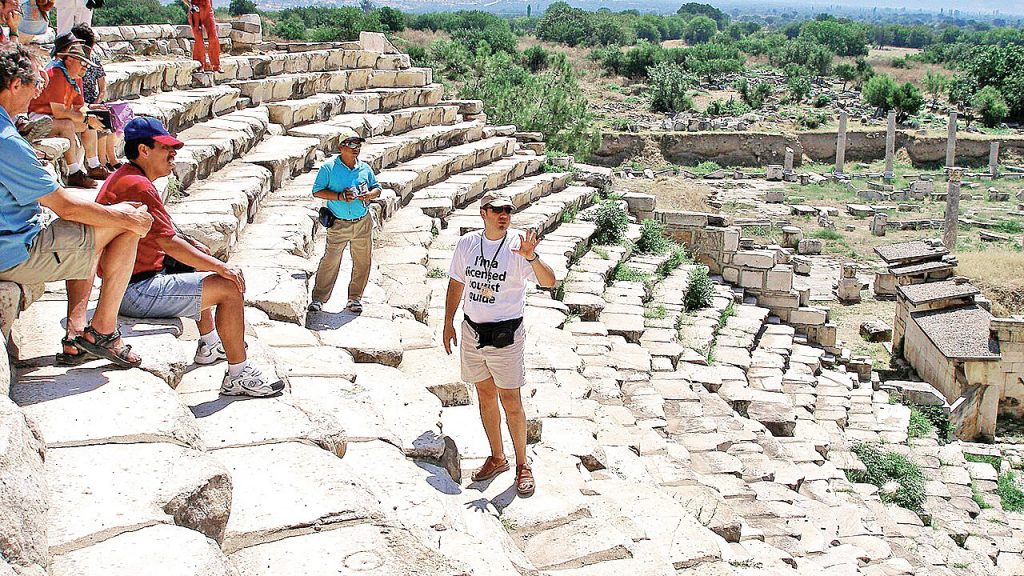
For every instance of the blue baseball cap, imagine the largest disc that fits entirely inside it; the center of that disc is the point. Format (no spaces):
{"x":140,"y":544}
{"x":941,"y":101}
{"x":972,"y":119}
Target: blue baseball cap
{"x":143,"y":127}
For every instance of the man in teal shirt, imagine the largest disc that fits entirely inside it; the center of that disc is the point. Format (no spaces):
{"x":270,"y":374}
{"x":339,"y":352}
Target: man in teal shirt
{"x":348,"y":185}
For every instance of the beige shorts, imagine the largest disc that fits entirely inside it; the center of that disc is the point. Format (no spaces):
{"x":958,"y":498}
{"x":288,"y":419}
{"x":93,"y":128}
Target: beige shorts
{"x":63,"y":250}
{"x":506,"y":365}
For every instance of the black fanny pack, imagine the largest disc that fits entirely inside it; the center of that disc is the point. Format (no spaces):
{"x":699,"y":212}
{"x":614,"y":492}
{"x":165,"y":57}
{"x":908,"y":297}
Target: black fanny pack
{"x":497,"y":334}
{"x":326,"y":217}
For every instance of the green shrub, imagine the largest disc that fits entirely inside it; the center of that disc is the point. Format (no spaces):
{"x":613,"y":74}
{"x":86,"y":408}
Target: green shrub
{"x":291,"y":28}
{"x":701,"y":290}
{"x":883,"y":467}
{"x":611,"y":221}
{"x":821,"y":100}
{"x":624,"y":273}
{"x":728,"y":107}
{"x":940,"y":420}
{"x":535,"y":58}
{"x":993,"y":461}
{"x":753,"y":96}
{"x":1010,"y":227}
{"x":827,"y":234}
{"x":675,"y":260}
{"x":812,"y":119}
{"x":978,"y":498}
{"x":657,"y":312}
{"x":668,"y":84}
{"x":920,"y":426}
{"x":239,"y":7}
{"x":700,"y":30}
{"x":723,"y":318}
{"x":652,"y":238}
{"x":705,"y":168}
{"x":1010,"y":493}
{"x":990,"y":106}
{"x":799,"y":87}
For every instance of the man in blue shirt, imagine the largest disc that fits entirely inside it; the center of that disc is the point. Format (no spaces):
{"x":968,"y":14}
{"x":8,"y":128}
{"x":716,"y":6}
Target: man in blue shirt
{"x":348,"y":185}
{"x":69,"y":247}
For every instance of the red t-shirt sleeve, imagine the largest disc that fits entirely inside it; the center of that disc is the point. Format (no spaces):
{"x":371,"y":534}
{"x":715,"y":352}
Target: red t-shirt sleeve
{"x":140,"y":189}
{"x":55,"y":90}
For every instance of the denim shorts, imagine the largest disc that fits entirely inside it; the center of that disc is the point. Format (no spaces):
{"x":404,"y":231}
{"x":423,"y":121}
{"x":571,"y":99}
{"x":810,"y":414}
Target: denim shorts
{"x":165,"y":296}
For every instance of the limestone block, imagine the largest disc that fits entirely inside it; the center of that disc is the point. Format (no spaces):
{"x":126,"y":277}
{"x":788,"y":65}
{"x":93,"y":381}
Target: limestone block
{"x":576,"y":544}
{"x":132,"y":485}
{"x":778,"y":416}
{"x":809,"y":246}
{"x":775,"y":173}
{"x":161,"y":548}
{"x":780,"y":278}
{"x":875,"y":331}
{"x":367,"y":339}
{"x":290,"y":489}
{"x":24,"y":494}
{"x":90,"y":406}
{"x":760,"y":259}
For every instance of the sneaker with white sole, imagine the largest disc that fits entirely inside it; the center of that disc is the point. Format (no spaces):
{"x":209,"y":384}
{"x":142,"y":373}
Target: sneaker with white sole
{"x":355,"y":306}
{"x":251,"y":382}
{"x":315,"y":306}
{"x":210,"y":353}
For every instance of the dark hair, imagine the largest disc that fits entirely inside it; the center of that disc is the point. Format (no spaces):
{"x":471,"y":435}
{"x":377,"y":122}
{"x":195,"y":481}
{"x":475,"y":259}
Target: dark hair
{"x":84,"y":32}
{"x":16,"y":62}
{"x":131,"y":147}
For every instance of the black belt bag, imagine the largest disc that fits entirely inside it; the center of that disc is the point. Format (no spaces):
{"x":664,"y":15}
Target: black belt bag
{"x":497,"y":334}
{"x":326,"y":217}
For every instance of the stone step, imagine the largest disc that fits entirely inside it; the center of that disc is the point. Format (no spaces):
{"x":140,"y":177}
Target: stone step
{"x":321,"y":107}
{"x":431,"y":168}
{"x":213,"y":144}
{"x":306,"y":84}
{"x":159,"y":548}
{"x":143,"y":77}
{"x":183,"y":108}
{"x":439,"y":200}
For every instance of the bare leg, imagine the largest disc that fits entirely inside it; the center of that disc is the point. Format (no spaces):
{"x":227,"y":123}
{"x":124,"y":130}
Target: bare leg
{"x":490,"y":415}
{"x":66,"y":129}
{"x":89,"y":143}
{"x":229,"y":317}
{"x":116,"y":250}
{"x":78,"y":305}
{"x":206,"y":321}
{"x":111,"y":145}
{"x":512,"y":402}
{"x":101,"y":150}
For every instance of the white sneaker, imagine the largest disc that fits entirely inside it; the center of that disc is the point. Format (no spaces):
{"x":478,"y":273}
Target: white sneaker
{"x":355,"y":306}
{"x":208,"y":354}
{"x":315,"y":306}
{"x":251,"y":382}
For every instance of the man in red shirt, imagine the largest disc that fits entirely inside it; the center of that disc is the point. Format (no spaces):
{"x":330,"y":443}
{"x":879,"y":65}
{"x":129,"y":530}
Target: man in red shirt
{"x":197,"y":284}
{"x":62,"y":100}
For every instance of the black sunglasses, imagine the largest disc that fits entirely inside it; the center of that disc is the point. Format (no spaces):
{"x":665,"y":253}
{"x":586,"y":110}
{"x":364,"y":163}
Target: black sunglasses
{"x":354,"y":144}
{"x":500,"y":209}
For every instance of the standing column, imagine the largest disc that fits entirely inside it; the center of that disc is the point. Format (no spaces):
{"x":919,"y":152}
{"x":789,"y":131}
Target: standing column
{"x":952,"y":208}
{"x":993,"y":159}
{"x":890,"y":145}
{"x":841,"y":143}
{"x":951,"y":141}
{"x":787,"y":163}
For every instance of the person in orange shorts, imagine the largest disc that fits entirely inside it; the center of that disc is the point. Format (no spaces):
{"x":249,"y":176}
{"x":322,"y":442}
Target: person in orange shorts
{"x":200,"y":17}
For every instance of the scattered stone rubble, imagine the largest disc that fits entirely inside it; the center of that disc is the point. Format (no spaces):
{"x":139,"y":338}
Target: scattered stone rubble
{"x":664,"y":441}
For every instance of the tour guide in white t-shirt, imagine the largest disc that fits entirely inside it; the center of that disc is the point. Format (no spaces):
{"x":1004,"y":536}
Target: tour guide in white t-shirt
{"x":489,"y":272}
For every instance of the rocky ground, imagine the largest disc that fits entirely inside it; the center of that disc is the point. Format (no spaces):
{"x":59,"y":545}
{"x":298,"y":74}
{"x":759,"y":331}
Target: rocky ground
{"x":664,"y":441}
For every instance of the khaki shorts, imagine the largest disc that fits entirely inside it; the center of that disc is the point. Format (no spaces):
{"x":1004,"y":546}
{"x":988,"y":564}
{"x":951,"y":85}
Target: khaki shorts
{"x":506,"y":365}
{"x":63,"y":250}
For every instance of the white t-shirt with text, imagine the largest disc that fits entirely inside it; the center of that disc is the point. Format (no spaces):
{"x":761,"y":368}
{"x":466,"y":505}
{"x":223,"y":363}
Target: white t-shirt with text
{"x":494,"y":276}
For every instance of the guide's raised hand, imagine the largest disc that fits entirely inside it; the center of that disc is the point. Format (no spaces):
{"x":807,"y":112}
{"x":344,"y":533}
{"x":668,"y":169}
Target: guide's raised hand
{"x":527,"y":244}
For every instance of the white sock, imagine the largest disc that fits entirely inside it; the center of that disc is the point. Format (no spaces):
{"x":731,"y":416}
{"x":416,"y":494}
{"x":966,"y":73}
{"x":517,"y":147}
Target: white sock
{"x":93,"y":162}
{"x":210,"y":339}
{"x":236,"y":369}
{"x":76,"y":167}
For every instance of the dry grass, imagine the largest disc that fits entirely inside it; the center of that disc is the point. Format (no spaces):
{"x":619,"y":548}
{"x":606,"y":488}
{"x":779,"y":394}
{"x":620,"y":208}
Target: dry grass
{"x":881,"y":60}
{"x":422,"y":38}
{"x":997,"y":272}
{"x":701,"y":100}
{"x":672,"y":192}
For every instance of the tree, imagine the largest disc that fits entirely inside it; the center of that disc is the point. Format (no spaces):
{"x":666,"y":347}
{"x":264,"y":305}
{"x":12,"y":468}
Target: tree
{"x":564,"y":24}
{"x":668,"y":85}
{"x":907,"y":101}
{"x":291,"y":28}
{"x":990,"y":106}
{"x":239,"y":7}
{"x":846,"y":72}
{"x":699,"y":30}
{"x":367,"y":5}
{"x":391,"y":19}
{"x":935,"y":84}
{"x":878,"y":91}
{"x":799,"y":87}
{"x":697,"y":9}
{"x":961,"y":90}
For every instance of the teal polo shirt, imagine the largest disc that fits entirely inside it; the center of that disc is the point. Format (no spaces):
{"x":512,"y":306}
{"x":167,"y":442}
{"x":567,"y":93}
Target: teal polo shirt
{"x":23,"y":181}
{"x":335,"y":176}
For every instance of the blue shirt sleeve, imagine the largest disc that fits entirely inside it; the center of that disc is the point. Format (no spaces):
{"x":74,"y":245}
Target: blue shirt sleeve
{"x":323,"y":178}
{"x":22,"y":173}
{"x":371,"y":179}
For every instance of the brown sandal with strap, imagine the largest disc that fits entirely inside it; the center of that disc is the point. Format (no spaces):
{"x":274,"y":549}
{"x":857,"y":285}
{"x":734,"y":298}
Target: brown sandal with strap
{"x":102,"y":345}
{"x":491,"y":468}
{"x":524,"y":480}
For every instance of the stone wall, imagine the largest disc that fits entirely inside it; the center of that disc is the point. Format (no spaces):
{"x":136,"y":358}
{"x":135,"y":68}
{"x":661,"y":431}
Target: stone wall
{"x":965,"y":413}
{"x":758,"y":149}
{"x":929,"y":362}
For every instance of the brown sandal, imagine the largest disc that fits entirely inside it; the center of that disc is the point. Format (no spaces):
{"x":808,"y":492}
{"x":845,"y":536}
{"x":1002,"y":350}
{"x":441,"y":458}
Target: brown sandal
{"x":103,"y":345}
{"x":524,"y":480}
{"x":491,"y":468}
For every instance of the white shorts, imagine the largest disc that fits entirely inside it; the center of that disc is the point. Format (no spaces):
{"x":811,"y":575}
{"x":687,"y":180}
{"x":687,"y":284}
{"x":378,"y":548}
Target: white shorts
{"x":506,"y":365}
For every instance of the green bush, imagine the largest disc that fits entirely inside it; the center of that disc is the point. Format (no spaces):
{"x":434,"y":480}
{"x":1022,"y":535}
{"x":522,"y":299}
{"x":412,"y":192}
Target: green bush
{"x":675,"y":260}
{"x":940,"y":421}
{"x":535,"y":58}
{"x":753,"y":96}
{"x":920,"y":426}
{"x":728,"y":107}
{"x":611,"y":220}
{"x":799,"y":87}
{"x":821,"y":100}
{"x":701,"y":290}
{"x":812,"y":119}
{"x":133,"y":12}
{"x":1010,"y":493}
{"x":652,"y":238}
{"x":239,"y":7}
{"x":700,"y":30}
{"x":883,"y":467}
{"x":291,"y":28}
{"x":827,"y":234}
{"x":989,"y":104}
{"x":564,"y":24}
{"x":667,"y":88}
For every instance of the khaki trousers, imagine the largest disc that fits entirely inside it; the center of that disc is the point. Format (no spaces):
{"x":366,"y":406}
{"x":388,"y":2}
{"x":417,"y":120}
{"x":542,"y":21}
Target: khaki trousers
{"x":359,"y":236}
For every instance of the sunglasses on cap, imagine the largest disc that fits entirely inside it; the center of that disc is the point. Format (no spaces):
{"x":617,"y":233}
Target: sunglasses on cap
{"x":353,"y":144}
{"x":500,"y":209}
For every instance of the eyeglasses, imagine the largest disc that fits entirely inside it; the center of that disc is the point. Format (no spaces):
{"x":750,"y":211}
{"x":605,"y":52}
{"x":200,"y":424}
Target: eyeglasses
{"x":353,"y":144}
{"x":500,"y":209}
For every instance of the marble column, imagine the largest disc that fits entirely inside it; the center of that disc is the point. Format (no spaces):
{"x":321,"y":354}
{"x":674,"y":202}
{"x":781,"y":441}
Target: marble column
{"x":787,"y":163}
{"x":890,"y":145}
{"x":993,"y":159}
{"x":952,"y":208}
{"x":841,"y":143}
{"x":951,"y":141}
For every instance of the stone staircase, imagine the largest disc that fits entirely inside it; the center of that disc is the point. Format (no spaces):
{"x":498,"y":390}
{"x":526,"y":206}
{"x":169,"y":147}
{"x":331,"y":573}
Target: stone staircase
{"x":711,"y":442}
